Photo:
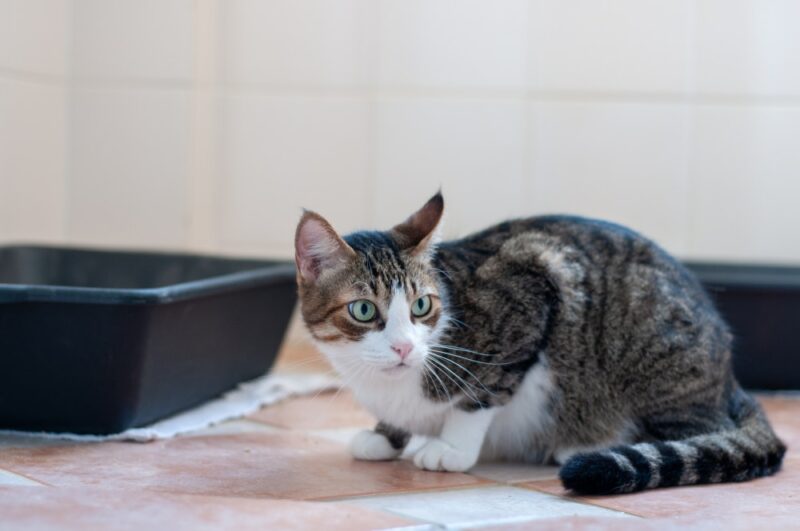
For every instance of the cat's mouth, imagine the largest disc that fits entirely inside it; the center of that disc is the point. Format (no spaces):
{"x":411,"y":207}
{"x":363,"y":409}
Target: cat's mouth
{"x":397,"y":369}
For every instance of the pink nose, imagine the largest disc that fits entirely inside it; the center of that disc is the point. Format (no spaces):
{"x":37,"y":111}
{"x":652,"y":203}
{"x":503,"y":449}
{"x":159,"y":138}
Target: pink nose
{"x":402,"y":349}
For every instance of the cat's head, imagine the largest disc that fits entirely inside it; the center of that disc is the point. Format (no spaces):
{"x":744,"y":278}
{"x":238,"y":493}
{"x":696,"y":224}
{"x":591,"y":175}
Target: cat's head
{"x":372,"y":301}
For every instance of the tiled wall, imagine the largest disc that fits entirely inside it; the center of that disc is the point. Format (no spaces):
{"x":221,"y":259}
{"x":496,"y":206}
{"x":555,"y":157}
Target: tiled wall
{"x":34,"y":63}
{"x":208,"y":124}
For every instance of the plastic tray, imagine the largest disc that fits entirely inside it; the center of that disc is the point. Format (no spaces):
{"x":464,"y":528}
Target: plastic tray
{"x":101,"y":341}
{"x":762,"y":306}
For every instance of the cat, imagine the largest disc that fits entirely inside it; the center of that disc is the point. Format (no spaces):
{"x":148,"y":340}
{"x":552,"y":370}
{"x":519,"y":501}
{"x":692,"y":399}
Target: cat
{"x":553,"y":339}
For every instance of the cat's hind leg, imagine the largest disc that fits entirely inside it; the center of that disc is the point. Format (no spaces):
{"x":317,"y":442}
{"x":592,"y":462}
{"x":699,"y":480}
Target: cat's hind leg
{"x":740,"y":447}
{"x":384,"y":443}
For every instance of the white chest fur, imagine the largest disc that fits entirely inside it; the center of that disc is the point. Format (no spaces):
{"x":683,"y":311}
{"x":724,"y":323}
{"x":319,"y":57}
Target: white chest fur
{"x":520,"y":429}
{"x":402,"y":404}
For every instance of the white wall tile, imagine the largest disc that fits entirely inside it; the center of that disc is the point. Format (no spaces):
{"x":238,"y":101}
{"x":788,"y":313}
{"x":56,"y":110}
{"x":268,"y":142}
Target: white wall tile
{"x":259,"y":158}
{"x":624,"y":45}
{"x":746,"y":47}
{"x":453,"y":43}
{"x":130,"y":157}
{"x":150,"y":39}
{"x":32,"y":161}
{"x":34,"y":34}
{"x":744,"y":184}
{"x":473,"y":149}
{"x":621,"y":162}
{"x":281,"y":154}
{"x":291,"y":42}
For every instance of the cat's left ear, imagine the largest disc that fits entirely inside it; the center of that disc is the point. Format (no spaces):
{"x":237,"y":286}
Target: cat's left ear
{"x":420,"y":233}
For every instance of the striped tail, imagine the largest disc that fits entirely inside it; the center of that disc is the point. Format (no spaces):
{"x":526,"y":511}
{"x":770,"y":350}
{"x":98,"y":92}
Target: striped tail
{"x":749,"y":451}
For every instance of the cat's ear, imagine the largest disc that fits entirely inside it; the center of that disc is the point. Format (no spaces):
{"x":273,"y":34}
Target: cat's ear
{"x":318,"y":247}
{"x":420,"y":233}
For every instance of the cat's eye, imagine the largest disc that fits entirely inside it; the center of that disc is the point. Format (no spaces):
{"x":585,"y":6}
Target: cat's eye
{"x":362,"y":310}
{"x":421,"y":306}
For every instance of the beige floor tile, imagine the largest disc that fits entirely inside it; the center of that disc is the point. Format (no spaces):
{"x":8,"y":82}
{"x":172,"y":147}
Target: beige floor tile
{"x":573,"y":523}
{"x":282,"y":464}
{"x":329,"y":410}
{"x":92,"y":508}
{"x":775,"y":496}
{"x":301,"y":356}
{"x":477,"y":507}
{"x":784,"y":414}
{"x":695,"y":523}
{"x":232,"y":427}
{"x":341,"y":436}
{"x":772,"y":496}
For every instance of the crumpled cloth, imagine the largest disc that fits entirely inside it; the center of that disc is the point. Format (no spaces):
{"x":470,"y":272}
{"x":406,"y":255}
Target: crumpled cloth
{"x":247,"y":398}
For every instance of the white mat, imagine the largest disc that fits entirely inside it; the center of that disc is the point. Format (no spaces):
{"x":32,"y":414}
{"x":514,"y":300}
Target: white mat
{"x":248,"y":398}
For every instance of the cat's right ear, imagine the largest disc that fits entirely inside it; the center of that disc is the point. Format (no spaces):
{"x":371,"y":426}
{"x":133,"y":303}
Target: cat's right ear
{"x":421,"y":231}
{"x":318,"y":247}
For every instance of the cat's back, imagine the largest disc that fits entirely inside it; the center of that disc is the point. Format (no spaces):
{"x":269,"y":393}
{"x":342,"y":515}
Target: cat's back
{"x":591,"y":258}
{"x":586,"y":239}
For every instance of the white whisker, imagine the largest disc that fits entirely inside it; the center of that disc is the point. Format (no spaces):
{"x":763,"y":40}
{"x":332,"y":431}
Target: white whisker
{"x":465,"y":370}
{"x":462,"y":349}
{"x":470,"y":359}
{"x":468,"y":390}
{"x":444,"y":387}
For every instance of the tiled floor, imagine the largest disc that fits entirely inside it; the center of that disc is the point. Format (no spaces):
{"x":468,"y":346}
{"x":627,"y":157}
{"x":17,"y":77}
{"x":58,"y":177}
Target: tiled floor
{"x":287,"y":467}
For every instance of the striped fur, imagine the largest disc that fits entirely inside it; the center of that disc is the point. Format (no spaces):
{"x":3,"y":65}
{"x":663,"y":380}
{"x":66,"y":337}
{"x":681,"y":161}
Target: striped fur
{"x":746,"y":451}
{"x":567,"y":339}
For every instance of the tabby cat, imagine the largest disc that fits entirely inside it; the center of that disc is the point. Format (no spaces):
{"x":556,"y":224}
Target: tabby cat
{"x":549,"y":339}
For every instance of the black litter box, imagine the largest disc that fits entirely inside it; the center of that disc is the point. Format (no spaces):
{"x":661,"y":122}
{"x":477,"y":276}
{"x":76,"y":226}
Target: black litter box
{"x":101,"y":341}
{"x":762,"y":306}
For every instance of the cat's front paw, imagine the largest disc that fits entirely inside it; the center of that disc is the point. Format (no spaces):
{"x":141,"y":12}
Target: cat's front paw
{"x":370,"y":446}
{"x":439,"y":455}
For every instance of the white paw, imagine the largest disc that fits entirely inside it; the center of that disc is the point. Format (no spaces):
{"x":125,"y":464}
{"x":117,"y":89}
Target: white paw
{"x":438,"y":455}
{"x":370,"y":446}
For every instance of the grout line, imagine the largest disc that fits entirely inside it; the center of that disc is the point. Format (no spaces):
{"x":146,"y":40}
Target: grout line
{"x":378,"y":92}
{"x":520,"y":93}
{"x":24,"y":476}
{"x":575,"y":499}
{"x":690,"y":202}
{"x":690,"y":130}
{"x":69,"y":136}
{"x":412,"y":518}
{"x":512,"y":482}
{"x":26,"y":76}
{"x":482,"y":484}
{"x":579,"y":501}
{"x":137,"y":86}
{"x":690,"y":47}
{"x":530,"y":146}
{"x":370,"y":27}
{"x":201,"y":180}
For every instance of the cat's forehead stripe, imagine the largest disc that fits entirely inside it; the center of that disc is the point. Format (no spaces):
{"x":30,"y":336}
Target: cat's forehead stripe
{"x":381,"y":258}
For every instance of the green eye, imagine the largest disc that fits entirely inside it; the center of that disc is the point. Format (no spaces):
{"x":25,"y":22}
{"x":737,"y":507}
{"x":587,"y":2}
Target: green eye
{"x":362,"y":310}
{"x":421,"y":306}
